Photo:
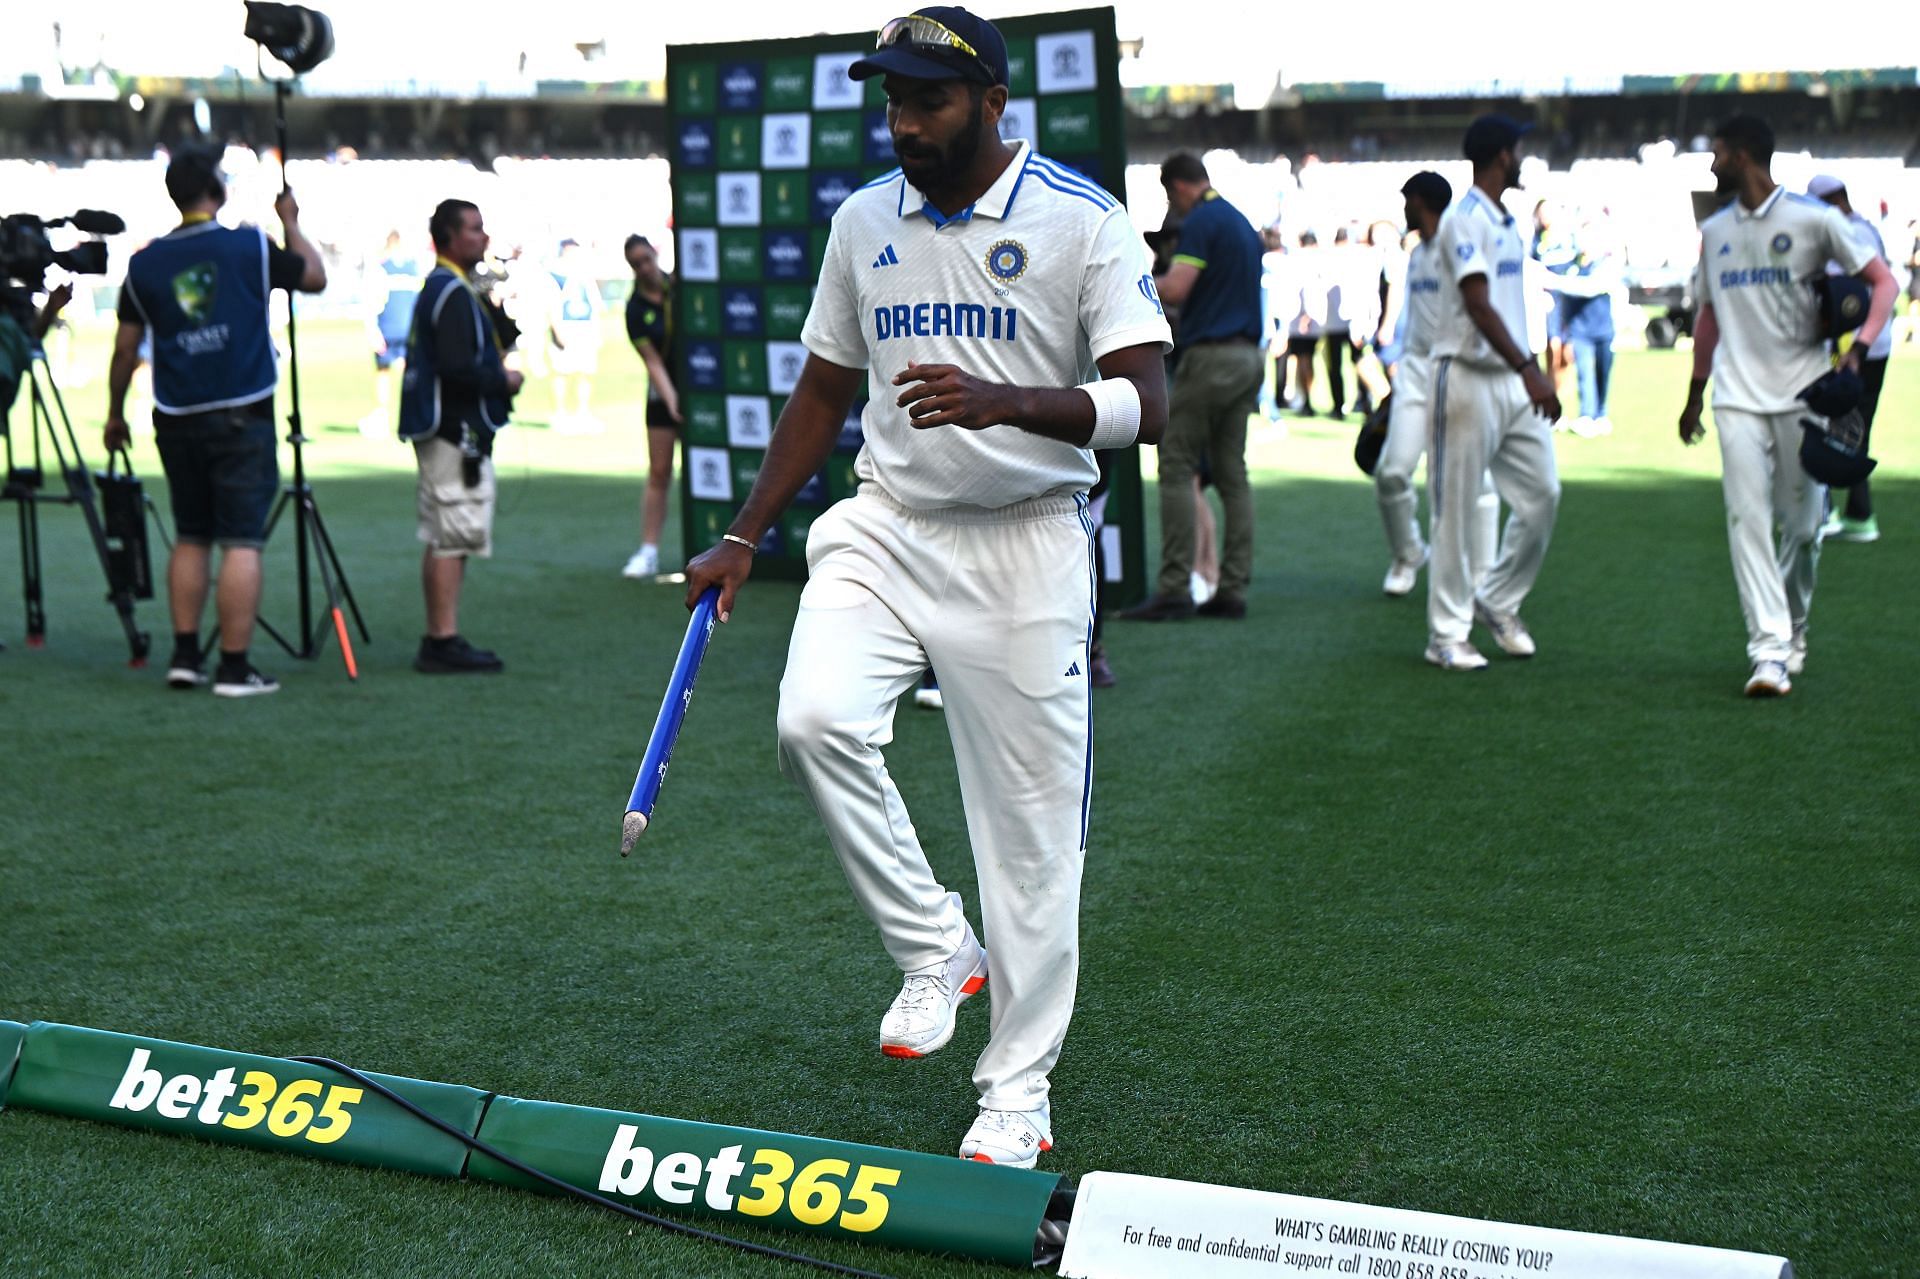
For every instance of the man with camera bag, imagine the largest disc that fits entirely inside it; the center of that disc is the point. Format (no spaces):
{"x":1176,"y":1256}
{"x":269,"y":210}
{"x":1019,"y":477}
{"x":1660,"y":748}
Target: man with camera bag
{"x":202,"y":291}
{"x":453,"y":400}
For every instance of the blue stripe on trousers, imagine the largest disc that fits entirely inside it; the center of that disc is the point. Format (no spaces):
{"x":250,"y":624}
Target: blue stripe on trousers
{"x":1438,"y":446}
{"x":1093,"y":602}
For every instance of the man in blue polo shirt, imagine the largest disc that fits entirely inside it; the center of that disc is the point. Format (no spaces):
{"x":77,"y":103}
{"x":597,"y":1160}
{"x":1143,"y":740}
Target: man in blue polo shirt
{"x":201,"y":291}
{"x":1215,"y":281}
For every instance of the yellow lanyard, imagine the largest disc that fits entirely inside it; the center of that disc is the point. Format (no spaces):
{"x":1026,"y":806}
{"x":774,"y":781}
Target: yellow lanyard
{"x":460,"y":274}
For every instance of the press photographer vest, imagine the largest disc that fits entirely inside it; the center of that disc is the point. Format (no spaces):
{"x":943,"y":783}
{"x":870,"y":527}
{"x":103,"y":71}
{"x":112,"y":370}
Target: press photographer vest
{"x":202,"y":289}
{"x":447,"y":298}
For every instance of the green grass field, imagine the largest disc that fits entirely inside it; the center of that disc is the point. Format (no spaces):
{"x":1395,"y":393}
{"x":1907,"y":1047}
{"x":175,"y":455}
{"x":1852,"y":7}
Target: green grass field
{"x":1589,"y":942}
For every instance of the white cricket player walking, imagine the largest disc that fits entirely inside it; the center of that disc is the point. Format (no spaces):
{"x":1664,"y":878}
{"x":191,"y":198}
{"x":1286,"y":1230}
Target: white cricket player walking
{"x":1491,"y":406}
{"x":1424,"y":292}
{"x":1757,"y":336}
{"x":977,"y":286}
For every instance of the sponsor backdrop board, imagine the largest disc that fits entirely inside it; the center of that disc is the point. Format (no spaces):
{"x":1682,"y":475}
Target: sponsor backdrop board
{"x":769,"y":137}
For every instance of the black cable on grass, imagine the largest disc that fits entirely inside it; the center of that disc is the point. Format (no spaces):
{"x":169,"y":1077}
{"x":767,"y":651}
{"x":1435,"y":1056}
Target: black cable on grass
{"x":614,"y":1205}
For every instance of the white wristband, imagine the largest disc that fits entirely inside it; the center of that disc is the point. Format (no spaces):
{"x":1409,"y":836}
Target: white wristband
{"x":1116,"y":412}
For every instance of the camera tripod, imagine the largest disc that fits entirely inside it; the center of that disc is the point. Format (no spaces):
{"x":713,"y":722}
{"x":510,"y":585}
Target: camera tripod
{"x":122,"y":555}
{"x":312,"y":545}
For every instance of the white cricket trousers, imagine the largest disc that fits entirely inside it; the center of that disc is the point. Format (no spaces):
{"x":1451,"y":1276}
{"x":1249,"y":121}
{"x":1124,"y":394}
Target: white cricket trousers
{"x":1000,"y":604}
{"x":1407,"y":429}
{"x":1483,"y":422}
{"x":1765,"y":487}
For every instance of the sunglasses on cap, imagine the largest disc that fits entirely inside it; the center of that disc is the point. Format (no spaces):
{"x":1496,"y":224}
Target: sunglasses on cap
{"x":918,"y":32}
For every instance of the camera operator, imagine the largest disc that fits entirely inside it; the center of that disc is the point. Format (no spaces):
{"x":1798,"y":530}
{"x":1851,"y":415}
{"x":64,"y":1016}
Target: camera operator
{"x":453,"y":400}
{"x":202,"y":291}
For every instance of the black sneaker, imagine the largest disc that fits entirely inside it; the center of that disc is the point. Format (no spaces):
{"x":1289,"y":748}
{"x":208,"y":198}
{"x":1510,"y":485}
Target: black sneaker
{"x":1159,"y":608}
{"x":455,"y":656}
{"x":1227,"y":606}
{"x":185,"y":673}
{"x":242,"y":683}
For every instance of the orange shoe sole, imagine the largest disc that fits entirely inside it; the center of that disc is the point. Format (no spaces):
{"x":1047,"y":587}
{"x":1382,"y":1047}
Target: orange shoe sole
{"x":972,"y":986}
{"x":1045,"y":1146}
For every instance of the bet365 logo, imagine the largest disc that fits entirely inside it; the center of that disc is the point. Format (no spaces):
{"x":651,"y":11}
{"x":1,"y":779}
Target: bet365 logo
{"x":813,"y":1195}
{"x":289,"y":1109}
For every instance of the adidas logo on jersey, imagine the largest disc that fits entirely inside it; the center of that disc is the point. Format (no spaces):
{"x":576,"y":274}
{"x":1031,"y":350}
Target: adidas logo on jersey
{"x":1072,"y":671}
{"x":1725,"y":249}
{"x":887,"y":258}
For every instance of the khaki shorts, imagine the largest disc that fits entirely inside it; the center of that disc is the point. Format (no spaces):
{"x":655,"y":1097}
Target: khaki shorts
{"x":455,"y":521}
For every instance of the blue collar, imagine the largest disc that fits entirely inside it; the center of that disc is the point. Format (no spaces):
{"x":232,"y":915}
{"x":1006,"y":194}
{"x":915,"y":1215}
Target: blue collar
{"x":995,"y":202}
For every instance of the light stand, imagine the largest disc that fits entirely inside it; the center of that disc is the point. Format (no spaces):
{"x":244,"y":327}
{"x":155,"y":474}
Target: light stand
{"x":309,"y":529}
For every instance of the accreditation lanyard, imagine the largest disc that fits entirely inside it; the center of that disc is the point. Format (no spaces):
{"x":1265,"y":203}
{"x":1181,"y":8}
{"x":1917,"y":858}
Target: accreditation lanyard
{"x":460,"y":274}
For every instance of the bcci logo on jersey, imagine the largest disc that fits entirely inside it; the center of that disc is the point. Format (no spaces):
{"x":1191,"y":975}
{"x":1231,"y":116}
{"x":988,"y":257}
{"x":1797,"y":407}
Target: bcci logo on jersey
{"x":1007,"y":261}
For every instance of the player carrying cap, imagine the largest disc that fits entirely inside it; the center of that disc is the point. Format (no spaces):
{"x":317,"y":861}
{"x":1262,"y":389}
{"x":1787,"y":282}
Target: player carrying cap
{"x":1758,"y":336}
{"x":1491,"y":403}
{"x":1426,"y":291}
{"x":1856,"y":523}
{"x":1002,"y":309}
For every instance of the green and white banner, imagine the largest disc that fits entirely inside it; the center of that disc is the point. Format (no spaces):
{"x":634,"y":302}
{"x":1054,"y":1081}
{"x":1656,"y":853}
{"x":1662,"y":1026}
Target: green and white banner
{"x":679,"y":1168}
{"x":240,"y":1099}
{"x":929,"y":1203}
{"x":769,"y":137}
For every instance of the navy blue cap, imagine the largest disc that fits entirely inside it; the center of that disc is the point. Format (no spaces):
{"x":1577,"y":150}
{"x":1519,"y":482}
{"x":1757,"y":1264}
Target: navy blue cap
{"x":1836,"y":453}
{"x":1843,"y":302}
{"x":926,"y":49}
{"x":1489,"y":135}
{"x":1835,"y":393}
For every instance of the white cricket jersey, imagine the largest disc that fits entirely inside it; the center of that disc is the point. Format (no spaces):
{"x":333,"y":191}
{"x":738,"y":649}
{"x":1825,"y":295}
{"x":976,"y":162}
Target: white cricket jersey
{"x":1757,"y":267}
{"x":1427,"y":291}
{"x":1032,"y":283}
{"x":1478,"y":237}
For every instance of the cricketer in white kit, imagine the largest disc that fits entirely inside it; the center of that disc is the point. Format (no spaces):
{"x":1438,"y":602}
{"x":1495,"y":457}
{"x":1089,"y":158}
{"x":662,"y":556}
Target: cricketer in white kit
{"x":1491,"y":409}
{"x":1003,"y":309}
{"x":1758,"y":338}
{"x":1426,"y":291}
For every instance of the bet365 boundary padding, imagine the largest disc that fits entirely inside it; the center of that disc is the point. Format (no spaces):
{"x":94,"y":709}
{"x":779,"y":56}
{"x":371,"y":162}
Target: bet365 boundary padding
{"x":921,"y":1202}
{"x":241,"y":1099}
{"x":811,"y":1185}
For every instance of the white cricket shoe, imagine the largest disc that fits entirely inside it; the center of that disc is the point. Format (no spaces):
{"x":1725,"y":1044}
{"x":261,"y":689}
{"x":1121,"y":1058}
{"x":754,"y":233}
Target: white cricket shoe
{"x":1455,"y":655}
{"x":644,"y":562}
{"x":1769,"y":679}
{"x":1402,"y":574}
{"x":1010,"y":1138}
{"x":1509,"y":632}
{"x":1797,"y":655}
{"x":1831,"y":527}
{"x":921,"y":1018}
{"x":1603,"y":426}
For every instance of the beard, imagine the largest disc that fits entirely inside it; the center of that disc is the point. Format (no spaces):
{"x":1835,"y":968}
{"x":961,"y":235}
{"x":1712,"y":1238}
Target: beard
{"x":936,"y":167}
{"x":1725,"y":182}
